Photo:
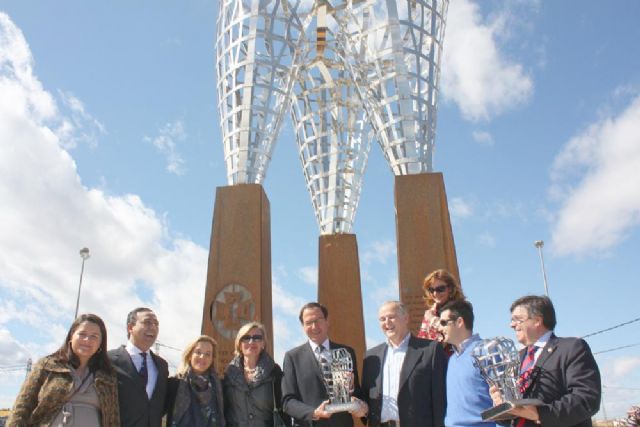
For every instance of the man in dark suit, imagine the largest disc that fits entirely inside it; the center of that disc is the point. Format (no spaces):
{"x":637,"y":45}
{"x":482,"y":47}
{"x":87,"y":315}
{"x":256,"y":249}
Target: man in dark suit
{"x":562,"y":372}
{"x":142,"y":375}
{"x":403,"y":380}
{"x":304,"y":390}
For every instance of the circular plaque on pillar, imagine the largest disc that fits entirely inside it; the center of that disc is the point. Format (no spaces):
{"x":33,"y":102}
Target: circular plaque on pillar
{"x":232,"y":308}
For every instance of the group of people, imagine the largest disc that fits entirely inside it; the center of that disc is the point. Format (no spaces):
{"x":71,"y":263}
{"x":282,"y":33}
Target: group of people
{"x":424,"y":380}
{"x":84,"y":385}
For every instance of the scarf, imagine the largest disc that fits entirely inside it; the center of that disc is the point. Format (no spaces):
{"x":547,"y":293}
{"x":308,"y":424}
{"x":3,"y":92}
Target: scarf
{"x":196,"y":401}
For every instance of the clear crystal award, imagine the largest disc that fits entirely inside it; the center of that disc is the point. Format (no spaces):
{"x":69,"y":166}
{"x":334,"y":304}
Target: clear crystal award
{"x":499,"y":364}
{"x":338,"y":378}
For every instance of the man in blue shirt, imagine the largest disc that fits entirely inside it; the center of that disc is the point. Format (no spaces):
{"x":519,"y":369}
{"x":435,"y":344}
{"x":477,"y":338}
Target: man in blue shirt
{"x":467,"y":391}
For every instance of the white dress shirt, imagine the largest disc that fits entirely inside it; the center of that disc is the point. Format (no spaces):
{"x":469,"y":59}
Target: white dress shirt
{"x":540,"y":344}
{"x":391,"y":379}
{"x":326,"y":352}
{"x":152,"y":370}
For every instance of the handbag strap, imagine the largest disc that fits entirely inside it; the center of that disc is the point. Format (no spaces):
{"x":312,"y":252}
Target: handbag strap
{"x":273,"y":392}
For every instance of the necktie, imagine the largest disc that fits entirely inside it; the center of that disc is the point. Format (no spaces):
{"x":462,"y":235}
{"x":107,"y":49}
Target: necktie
{"x":325,"y":367}
{"x":144,"y":373}
{"x":526,"y":369}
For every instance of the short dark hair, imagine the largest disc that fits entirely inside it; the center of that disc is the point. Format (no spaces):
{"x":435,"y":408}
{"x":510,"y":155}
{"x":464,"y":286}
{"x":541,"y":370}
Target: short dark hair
{"x":538,"y":305}
{"x":99,"y":361}
{"x":132,"y":317}
{"x":311,"y":305}
{"x":461,"y":308}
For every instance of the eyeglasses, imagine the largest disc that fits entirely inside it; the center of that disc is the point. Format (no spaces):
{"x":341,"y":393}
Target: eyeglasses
{"x":445,"y":322}
{"x":249,"y":338}
{"x":518,"y":321}
{"x":438,"y":289}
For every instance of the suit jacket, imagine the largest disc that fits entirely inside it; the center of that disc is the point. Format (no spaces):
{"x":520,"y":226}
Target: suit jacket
{"x":136,"y":409}
{"x":303,"y":388}
{"x":421,"y":395}
{"x":566,"y":378}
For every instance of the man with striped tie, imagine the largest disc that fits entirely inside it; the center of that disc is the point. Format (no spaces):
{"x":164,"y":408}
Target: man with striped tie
{"x":561,"y":372}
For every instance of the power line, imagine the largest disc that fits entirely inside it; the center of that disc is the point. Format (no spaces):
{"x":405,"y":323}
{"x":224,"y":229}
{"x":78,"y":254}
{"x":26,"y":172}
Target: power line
{"x":617,"y":348}
{"x":621,"y":388}
{"x":611,"y":328}
{"x":167,"y":346}
{"x":21,"y":366}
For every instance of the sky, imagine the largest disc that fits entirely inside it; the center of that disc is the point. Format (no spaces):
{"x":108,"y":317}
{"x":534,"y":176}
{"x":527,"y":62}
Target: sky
{"x":109,"y":139}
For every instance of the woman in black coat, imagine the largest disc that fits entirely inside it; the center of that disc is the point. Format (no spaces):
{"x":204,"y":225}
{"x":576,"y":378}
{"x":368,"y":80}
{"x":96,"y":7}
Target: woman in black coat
{"x":195,"y":393}
{"x":251,"y":381}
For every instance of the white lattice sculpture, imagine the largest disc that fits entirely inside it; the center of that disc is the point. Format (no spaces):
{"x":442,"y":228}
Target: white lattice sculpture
{"x":346,"y":71}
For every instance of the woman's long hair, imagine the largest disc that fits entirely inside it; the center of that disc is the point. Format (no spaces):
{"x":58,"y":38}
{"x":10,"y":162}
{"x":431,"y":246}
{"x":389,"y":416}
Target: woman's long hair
{"x":100,"y":360}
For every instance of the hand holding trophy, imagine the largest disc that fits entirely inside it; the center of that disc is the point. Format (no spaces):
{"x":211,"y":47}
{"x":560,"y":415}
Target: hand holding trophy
{"x":499,"y":364}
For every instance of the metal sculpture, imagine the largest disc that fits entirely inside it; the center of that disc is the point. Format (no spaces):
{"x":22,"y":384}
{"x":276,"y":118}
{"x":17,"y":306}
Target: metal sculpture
{"x":347,"y":71}
{"x":349,"y":66}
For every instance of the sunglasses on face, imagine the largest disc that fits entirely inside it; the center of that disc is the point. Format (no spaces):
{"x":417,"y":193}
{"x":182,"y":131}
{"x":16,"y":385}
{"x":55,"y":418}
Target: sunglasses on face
{"x":445,"y":322}
{"x":249,"y":338}
{"x":438,"y":289}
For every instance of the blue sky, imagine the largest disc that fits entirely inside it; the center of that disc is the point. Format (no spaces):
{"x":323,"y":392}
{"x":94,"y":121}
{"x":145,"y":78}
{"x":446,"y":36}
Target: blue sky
{"x":109,"y":139}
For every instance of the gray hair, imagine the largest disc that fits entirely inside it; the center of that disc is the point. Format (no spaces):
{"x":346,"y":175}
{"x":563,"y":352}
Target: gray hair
{"x":400,"y":307}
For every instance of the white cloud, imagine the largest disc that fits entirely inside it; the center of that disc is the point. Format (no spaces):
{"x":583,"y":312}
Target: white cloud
{"x":595,"y":179}
{"x":48,"y":214}
{"x":12,"y":352}
{"x":380,"y":294}
{"x":500,"y":209}
{"x":288,"y":303}
{"x":79,"y":126}
{"x":487,"y":239}
{"x":165,"y":142}
{"x":619,"y":378}
{"x":309,"y":275}
{"x":460,"y":208}
{"x":625,"y":366}
{"x":21,"y":90}
{"x":379,"y":251}
{"x":483,"y":138}
{"x":476,"y":75}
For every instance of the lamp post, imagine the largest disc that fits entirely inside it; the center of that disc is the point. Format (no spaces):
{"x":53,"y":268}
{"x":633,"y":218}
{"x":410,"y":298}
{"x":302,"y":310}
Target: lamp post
{"x":540,"y":244}
{"x":84,"y":254}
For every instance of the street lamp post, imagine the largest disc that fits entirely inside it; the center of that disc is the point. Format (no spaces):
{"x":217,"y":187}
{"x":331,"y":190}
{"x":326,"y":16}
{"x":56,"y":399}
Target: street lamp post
{"x":540,"y":244}
{"x":84,"y":254}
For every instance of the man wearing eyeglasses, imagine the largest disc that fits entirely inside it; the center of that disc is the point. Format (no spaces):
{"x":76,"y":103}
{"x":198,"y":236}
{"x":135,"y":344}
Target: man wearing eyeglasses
{"x":561,"y":372}
{"x":304,"y":390}
{"x":403,"y":380}
{"x":467,"y":391}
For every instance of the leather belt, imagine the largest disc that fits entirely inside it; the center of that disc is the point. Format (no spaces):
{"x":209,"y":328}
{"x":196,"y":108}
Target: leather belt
{"x":390,"y":424}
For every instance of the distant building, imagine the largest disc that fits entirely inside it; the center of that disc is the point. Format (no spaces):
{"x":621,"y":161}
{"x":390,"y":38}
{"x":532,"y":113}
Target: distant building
{"x":4,"y":415}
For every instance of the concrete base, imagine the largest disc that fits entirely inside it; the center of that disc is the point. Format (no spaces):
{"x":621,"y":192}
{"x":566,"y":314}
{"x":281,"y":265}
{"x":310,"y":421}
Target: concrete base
{"x":239,"y":271}
{"x":339,"y":290}
{"x":424,"y":237}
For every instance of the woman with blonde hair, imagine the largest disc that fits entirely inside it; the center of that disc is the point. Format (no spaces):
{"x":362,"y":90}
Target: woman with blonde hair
{"x":440,"y":287}
{"x":252,"y":392}
{"x":195,"y":393}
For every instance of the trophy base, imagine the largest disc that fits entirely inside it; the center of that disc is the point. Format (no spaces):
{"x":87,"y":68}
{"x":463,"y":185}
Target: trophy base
{"x":341,"y":407}
{"x":500,"y":412}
